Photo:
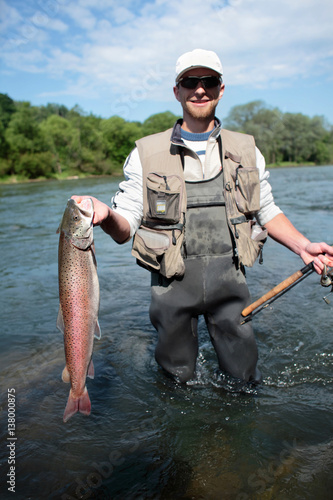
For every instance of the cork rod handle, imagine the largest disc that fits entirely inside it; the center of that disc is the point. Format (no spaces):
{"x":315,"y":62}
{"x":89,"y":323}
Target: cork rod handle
{"x":277,"y":289}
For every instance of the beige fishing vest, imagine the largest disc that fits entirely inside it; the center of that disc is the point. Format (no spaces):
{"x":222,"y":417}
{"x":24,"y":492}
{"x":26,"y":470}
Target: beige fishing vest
{"x":157,"y":244}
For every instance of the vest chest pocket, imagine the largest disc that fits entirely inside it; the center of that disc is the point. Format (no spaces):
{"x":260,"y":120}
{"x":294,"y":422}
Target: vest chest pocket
{"x":247,"y":189}
{"x":164,"y":195}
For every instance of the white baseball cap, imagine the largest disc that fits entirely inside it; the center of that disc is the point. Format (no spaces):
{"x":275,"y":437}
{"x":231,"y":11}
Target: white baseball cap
{"x":198,"y":58}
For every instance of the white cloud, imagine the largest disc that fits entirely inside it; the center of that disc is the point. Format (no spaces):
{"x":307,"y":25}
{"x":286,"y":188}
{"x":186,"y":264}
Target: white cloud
{"x":57,"y":25}
{"x":62,"y":63}
{"x":9,"y":16}
{"x":82,"y":16}
{"x":33,"y":61}
{"x":121,"y":15}
{"x":77,"y":88}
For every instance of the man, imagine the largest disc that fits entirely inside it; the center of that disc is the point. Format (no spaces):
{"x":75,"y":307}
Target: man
{"x":189,"y":199}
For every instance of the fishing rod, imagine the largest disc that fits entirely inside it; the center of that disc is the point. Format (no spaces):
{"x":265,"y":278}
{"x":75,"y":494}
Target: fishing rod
{"x":283,"y":287}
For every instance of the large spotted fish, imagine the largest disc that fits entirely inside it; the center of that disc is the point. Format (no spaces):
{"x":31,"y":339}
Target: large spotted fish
{"x":79,"y":301}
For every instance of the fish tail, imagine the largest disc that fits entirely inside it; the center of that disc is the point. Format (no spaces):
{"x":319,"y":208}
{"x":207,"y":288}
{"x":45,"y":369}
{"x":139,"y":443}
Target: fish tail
{"x":81,"y":404}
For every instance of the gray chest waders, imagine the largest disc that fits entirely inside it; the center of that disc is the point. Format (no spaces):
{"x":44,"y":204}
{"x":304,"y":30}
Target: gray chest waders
{"x":211,"y":286}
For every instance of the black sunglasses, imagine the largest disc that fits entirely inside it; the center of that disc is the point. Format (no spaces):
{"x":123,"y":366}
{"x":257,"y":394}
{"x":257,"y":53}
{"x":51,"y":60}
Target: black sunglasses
{"x":208,"y":82}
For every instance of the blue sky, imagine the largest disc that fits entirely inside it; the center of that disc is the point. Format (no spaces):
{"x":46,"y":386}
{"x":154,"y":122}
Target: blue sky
{"x":118,"y":58}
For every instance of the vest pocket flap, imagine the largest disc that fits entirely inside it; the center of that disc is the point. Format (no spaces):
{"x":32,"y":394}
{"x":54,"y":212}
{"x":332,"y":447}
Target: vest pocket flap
{"x":152,"y":240}
{"x":233,"y":157}
{"x":164,"y":183}
{"x":164,"y":194}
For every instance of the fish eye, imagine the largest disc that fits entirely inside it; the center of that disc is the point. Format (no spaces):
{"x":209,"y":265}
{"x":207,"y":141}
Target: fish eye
{"x":76,"y":217}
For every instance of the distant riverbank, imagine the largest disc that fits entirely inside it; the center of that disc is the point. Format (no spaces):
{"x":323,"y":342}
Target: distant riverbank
{"x":16,"y":179}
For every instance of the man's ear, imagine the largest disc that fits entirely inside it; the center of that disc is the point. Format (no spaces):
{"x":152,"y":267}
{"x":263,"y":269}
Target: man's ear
{"x":176,"y":92}
{"x":222,"y":90}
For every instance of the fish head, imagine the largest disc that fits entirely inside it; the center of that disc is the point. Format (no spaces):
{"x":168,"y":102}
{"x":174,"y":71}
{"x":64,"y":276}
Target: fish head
{"x":76,"y":221}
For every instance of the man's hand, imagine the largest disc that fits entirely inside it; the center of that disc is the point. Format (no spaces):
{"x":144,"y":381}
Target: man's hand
{"x":320,"y":253}
{"x":112,"y":223}
{"x":281,"y":229}
{"x":101,"y":210}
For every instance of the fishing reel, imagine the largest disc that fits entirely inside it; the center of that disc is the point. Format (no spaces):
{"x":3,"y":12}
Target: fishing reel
{"x":326,"y":280}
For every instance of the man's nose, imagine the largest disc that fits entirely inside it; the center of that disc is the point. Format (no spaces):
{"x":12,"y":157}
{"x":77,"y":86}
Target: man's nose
{"x":200,"y":87}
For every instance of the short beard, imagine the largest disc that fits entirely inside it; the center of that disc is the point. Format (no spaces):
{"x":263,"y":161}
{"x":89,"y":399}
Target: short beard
{"x":200,"y":114}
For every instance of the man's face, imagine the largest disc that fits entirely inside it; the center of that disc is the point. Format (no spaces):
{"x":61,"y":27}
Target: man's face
{"x":199,"y":103}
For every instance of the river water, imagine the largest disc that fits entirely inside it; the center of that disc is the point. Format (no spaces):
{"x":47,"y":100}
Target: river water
{"x":148,"y":437}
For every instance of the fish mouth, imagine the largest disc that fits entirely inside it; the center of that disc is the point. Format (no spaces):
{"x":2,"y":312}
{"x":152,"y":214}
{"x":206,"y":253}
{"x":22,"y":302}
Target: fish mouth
{"x":86,"y":206}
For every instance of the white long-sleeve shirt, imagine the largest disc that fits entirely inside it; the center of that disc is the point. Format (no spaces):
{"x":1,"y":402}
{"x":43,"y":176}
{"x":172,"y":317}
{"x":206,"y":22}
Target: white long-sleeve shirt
{"x":128,"y":200}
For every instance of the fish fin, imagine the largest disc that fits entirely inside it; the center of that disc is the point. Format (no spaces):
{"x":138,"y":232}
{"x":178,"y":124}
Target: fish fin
{"x":81,"y":404}
{"x":97,"y":333}
{"x":91,"y":370}
{"x":60,"y":321}
{"x":65,"y":375}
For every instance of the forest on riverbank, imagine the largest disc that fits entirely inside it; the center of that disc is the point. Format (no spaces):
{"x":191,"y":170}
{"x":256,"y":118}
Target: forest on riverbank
{"x":55,"y":142}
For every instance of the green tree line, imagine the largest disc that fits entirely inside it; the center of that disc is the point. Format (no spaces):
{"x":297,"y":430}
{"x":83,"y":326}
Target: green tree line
{"x":284,"y":137}
{"x":53,"y":141}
